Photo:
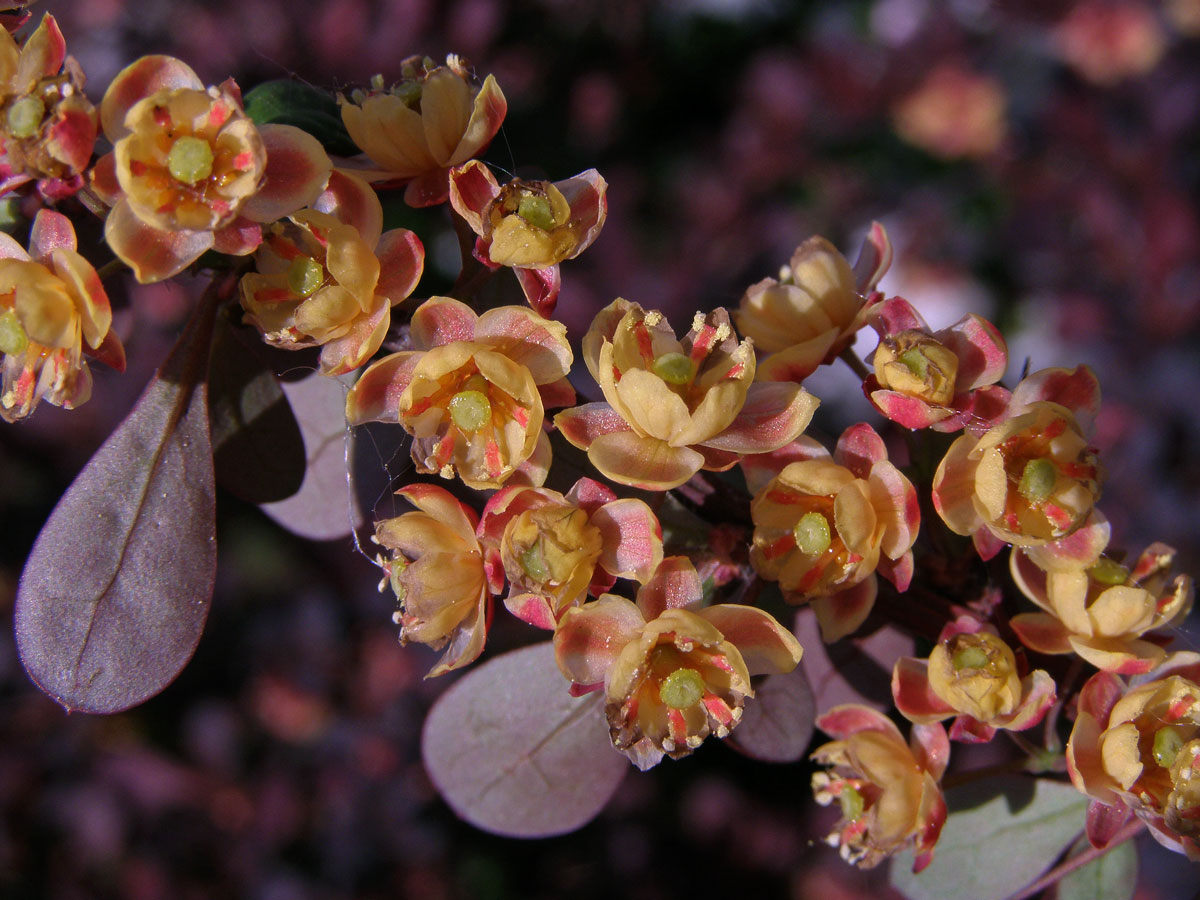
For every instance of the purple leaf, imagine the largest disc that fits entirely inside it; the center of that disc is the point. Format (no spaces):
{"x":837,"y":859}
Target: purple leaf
{"x":777,"y":724}
{"x":257,"y":448}
{"x":513,"y":753}
{"x":324,"y":509}
{"x":116,"y":589}
{"x":852,"y":670}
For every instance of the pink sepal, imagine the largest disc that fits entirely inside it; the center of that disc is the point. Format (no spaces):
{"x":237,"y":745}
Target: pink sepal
{"x":111,"y":351}
{"x":71,"y":137}
{"x":428,"y":189}
{"x":376,"y":394}
{"x":988,"y":406}
{"x":1078,"y":550}
{"x":12,"y":182}
{"x":840,"y":614}
{"x":51,"y":231}
{"x":1100,"y":694}
{"x":760,"y":468}
{"x":541,"y":288}
{"x":987,"y":545}
{"x":141,"y":79}
{"x":349,"y":199}
{"x":1077,"y":389}
{"x":590,"y":637}
{"x":908,"y":412}
{"x":42,"y":55}
{"x":1105,"y":820}
{"x":296,"y":173}
{"x":441,"y":320}
{"x":442,"y":505}
{"x":493,"y":568}
{"x":401,"y":263}
{"x":1042,"y":633}
{"x":894,"y":494}
{"x":532,"y":609}
{"x":240,"y":237}
{"x":893,"y":315}
{"x":152,"y":254}
{"x":766,"y":646}
{"x":583,"y":424}
{"x":1038,"y":694}
{"x":589,"y":494}
{"x":898,"y":571}
{"x":967,"y":730}
{"x":536,"y":469}
{"x":851,"y":718}
{"x":631,"y":537}
{"x":582,"y":690}
{"x":912,"y":694}
{"x":773,"y":415}
{"x":874,"y":259}
{"x":472,"y":188}
{"x":859,"y":448}
{"x":104,"y":179}
{"x":717,"y":460}
{"x":931,"y":748}
{"x":674,"y":585}
{"x":981,"y":350}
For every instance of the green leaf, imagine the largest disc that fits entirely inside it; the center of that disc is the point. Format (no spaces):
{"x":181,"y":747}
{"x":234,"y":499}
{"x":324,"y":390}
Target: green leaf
{"x":1112,"y":876}
{"x":292,"y":103}
{"x":1001,"y":834}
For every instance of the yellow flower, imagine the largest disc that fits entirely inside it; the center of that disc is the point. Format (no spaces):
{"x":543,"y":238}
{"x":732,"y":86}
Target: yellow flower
{"x":887,"y":788}
{"x":1138,"y":748}
{"x":441,"y":577}
{"x":53,"y":309}
{"x":436,"y":118}
{"x":676,"y":406}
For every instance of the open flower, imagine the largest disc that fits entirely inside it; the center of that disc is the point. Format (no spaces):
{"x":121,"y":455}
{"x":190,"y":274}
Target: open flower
{"x":190,"y":172}
{"x":671,"y":676}
{"x":812,"y":312}
{"x":48,"y":125}
{"x":473,"y":392}
{"x":530,"y":226}
{"x":1101,"y":610}
{"x":971,"y":675}
{"x":1135,"y":750}
{"x":935,"y":379}
{"x":556,"y":550}
{"x":887,"y":788}
{"x":435,"y":118}
{"x":1031,"y":479}
{"x":823,"y":526}
{"x":53,"y":309}
{"x":443,"y":580}
{"x":326,"y":277}
{"x":676,"y":406}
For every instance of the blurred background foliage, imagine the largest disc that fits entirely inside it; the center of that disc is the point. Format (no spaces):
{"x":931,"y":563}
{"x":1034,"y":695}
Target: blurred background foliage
{"x":1036,"y":162}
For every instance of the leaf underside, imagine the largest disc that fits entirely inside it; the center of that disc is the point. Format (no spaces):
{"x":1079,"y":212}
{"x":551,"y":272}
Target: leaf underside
{"x":777,"y":724}
{"x":116,"y":590}
{"x":513,"y":753}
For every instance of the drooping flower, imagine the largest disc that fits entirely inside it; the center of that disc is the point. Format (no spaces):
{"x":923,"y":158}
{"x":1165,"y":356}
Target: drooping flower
{"x":672,"y":674}
{"x":530,"y":226}
{"x":1135,"y":750}
{"x":53,"y":309}
{"x":327,"y":277}
{"x":936,"y":379}
{"x":971,"y":675}
{"x":556,"y":550}
{"x":48,"y":125}
{"x":887,"y":788}
{"x":442,"y":578}
{"x":812,"y":312}
{"x":473,"y":391}
{"x":672,"y":407}
{"x":190,"y":172}
{"x":823,"y":526}
{"x":1032,"y":479}
{"x":435,"y":118}
{"x":1101,"y":609}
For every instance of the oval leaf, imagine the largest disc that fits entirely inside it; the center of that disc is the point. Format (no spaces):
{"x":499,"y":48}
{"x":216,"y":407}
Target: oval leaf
{"x":777,"y":724}
{"x":292,"y":103}
{"x":513,"y":753}
{"x":324,"y":509}
{"x":117,"y":587}
{"x":257,"y":447}
{"x":1112,"y":876}
{"x":856,"y":669}
{"x":991,"y":824}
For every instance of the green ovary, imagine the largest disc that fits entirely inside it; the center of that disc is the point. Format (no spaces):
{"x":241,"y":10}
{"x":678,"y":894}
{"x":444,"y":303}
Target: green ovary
{"x":674,"y":368}
{"x":970,"y":658}
{"x":470,"y":410}
{"x":305,"y":275}
{"x":812,"y":533}
{"x":13,"y":339}
{"x":1167,"y":744}
{"x":682,"y":688}
{"x":25,"y":117}
{"x":852,"y":803}
{"x":1037,"y":480}
{"x":533,"y":561}
{"x":190,"y":160}
{"x":535,"y":209}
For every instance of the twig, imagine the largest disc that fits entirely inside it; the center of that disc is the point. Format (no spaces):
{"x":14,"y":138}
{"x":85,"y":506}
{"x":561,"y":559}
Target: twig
{"x":850,"y":358}
{"x":1078,"y":861}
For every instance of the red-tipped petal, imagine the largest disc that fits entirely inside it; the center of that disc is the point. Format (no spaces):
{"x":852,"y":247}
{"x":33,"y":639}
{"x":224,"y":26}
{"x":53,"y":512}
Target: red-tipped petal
{"x":589,"y":638}
{"x":987,"y":545}
{"x":541,"y":288}
{"x":583,"y":424}
{"x":239,"y":238}
{"x":375,"y":397}
{"x":766,"y":646}
{"x":893,"y":315}
{"x":111,"y":352}
{"x":472,"y":189}
{"x":967,"y":730}
{"x":443,"y":506}
{"x":931,"y":748}
{"x":50,"y":231}
{"x":71,"y":137}
{"x":526,"y":338}
{"x":442,"y":320}
{"x":1077,"y":389}
{"x":586,"y":195}
{"x":141,"y":79}
{"x":297,"y":170}
{"x":859,"y":448}
{"x":427,"y":189}
{"x":908,"y":412}
{"x":104,"y":179}
{"x":773,"y":416}
{"x":643,"y":462}
{"x":1039,"y":693}
{"x":1104,"y":821}
{"x":589,"y":494}
{"x":532,"y":609}
{"x":632,"y":538}
{"x":1078,"y":550}
{"x":760,"y":468}
{"x":898,"y":571}
{"x":851,"y":718}
{"x":43,"y":53}
{"x":840,"y":614}
{"x":873,"y":260}
{"x":980,"y":348}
